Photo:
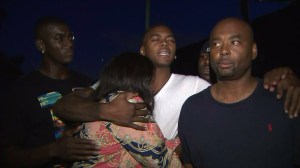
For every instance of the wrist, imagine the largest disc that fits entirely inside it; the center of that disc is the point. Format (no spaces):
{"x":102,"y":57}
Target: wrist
{"x":103,"y":111}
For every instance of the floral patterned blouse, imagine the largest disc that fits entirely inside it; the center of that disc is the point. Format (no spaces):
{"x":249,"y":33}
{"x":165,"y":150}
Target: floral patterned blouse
{"x":124,"y":147}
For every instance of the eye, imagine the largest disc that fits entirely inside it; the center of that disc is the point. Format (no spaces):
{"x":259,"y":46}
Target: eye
{"x":171,"y":39}
{"x":59,"y":37}
{"x":216,"y":44}
{"x":203,"y":56}
{"x":71,"y":36}
{"x":155,"y":38}
{"x":235,"y":42}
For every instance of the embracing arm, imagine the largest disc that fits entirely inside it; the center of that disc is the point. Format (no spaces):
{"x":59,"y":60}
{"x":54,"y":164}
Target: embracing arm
{"x":76,"y":106}
{"x":284,"y":80}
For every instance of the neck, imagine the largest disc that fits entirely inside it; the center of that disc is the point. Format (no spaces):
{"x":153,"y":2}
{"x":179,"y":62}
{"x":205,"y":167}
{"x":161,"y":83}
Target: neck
{"x":162,"y":75}
{"x":54,"y":71}
{"x":234,"y":90}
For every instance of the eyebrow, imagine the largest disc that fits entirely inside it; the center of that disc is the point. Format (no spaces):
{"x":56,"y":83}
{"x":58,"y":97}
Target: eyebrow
{"x":154,"y":34}
{"x":235,"y":36}
{"x":63,"y":33}
{"x":158,"y":34}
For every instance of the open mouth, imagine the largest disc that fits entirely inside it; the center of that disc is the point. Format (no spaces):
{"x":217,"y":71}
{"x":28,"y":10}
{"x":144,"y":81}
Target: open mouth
{"x":164,"y":52}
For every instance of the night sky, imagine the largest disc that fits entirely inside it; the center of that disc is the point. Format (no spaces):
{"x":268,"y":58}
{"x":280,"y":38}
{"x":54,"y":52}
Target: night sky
{"x":105,"y":28}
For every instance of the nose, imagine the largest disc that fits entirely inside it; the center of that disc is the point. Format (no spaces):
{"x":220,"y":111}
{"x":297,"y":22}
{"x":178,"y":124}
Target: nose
{"x":68,"y":42}
{"x":164,"y":43}
{"x":206,"y":60}
{"x":225,"y":50}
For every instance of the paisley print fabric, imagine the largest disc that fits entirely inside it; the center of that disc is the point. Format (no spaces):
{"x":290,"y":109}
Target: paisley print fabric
{"x":125,"y":147}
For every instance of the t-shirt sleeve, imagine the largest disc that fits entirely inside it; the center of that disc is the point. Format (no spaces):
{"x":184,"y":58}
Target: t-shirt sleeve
{"x":201,"y":85}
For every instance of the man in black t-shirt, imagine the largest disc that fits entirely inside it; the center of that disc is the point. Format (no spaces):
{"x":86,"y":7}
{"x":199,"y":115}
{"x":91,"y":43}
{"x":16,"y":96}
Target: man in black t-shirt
{"x":34,"y":137}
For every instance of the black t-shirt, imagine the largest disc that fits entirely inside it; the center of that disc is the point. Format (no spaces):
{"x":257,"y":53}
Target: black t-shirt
{"x":29,"y":122}
{"x":254,"y":132}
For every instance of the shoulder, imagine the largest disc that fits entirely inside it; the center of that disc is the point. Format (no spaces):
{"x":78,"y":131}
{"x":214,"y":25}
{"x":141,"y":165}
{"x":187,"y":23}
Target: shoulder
{"x":200,"y":96}
{"x":81,"y":78}
{"x":260,"y":91}
{"x":190,"y":78}
{"x":79,"y":75}
{"x":192,"y":105}
{"x":189,"y":82}
{"x":200,"y":99}
{"x":187,"y":77}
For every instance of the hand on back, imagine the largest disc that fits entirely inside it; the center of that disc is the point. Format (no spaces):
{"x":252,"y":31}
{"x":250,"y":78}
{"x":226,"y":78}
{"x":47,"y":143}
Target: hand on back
{"x":70,"y":148}
{"x":124,"y":113}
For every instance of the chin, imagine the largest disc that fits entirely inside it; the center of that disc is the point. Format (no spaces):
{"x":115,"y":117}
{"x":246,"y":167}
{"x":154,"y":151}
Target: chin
{"x":165,"y":64}
{"x":67,"y":60}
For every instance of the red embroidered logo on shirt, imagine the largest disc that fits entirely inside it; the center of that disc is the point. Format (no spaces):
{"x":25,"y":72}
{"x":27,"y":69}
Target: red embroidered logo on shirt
{"x":270,"y":129}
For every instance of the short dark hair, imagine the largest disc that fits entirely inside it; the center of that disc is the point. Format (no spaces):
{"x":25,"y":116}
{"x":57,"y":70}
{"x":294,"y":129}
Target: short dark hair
{"x":128,"y":71}
{"x":154,"y":26}
{"x":44,"y":21}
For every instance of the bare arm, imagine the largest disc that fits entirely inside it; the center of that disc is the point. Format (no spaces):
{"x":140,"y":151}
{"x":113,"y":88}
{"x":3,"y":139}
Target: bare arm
{"x":76,"y":106}
{"x":284,"y":80}
{"x":291,"y":86}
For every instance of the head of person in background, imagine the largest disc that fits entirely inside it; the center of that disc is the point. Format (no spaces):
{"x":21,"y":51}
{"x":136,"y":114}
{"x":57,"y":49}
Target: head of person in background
{"x":55,"y":41}
{"x":204,"y":69}
{"x":203,"y":62}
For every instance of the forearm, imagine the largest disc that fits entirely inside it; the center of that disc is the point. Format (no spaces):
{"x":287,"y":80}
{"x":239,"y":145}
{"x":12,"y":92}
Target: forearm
{"x":75,"y":108}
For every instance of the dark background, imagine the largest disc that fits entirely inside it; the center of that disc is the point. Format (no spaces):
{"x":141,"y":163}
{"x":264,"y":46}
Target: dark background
{"x":105,"y":28}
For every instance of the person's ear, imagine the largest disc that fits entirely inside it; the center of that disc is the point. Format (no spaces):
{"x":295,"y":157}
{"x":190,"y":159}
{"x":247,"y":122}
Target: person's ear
{"x":142,"y":51}
{"x":40,"y":45}
{"x":254,"y":51}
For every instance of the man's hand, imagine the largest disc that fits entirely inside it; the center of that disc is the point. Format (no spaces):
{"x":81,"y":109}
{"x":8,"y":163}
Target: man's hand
{"x":78,"y":107}
{"x":70,"y":148}
{"x":124,"y":113}
{"x":290,"y":84}
{"x":272,"y":77}
{"x":283,"y":79}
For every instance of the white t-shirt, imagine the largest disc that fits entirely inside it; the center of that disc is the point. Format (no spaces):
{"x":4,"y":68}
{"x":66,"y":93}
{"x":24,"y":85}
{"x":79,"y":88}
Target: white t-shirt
{"x":169,"y":100}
